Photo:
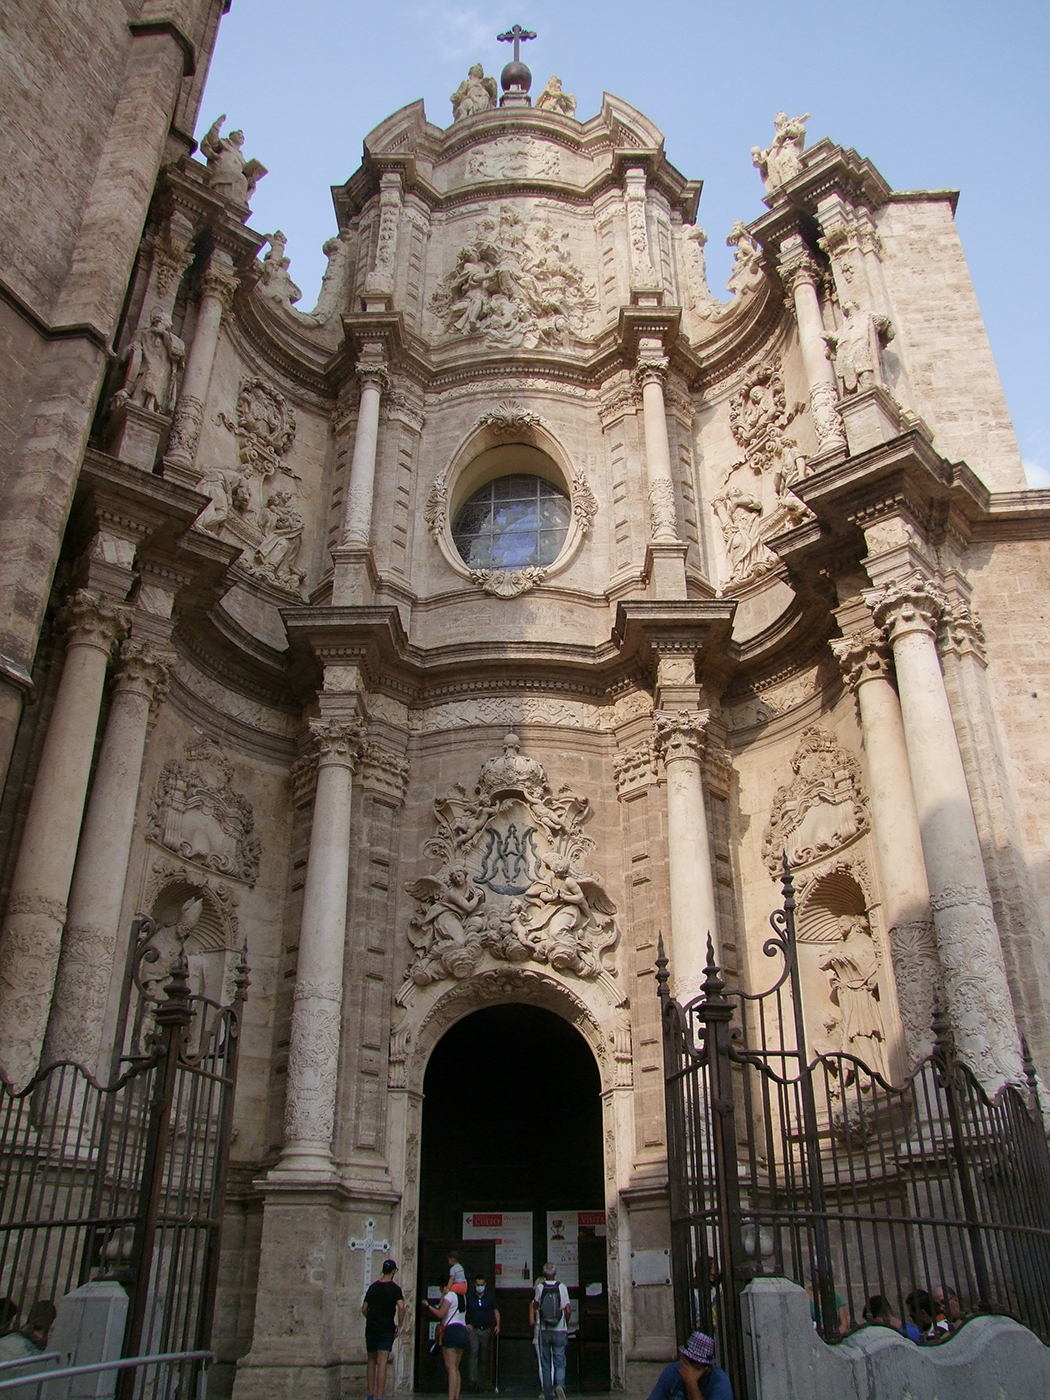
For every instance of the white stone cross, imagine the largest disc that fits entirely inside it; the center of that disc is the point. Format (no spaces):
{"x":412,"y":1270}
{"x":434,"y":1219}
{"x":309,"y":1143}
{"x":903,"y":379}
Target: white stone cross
{"x":371,"y":1246}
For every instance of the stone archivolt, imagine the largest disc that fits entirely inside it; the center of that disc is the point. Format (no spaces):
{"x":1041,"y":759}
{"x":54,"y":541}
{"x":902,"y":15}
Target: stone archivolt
{"x":196,"y":813}
{"x":823,"y":808}
{"x":516,"y":287}
{"x":510,"y":882}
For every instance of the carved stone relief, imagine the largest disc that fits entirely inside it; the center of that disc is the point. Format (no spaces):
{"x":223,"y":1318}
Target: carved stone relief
{"x":821,"y":810}
{"x":515,"y":285}
{"x":196,"y":813}
{"x":782,"y":160}
{"x":515,"y":158}
{"x":266,"y":522}
{"x":510,"y":882}
{"x":756,"y":501}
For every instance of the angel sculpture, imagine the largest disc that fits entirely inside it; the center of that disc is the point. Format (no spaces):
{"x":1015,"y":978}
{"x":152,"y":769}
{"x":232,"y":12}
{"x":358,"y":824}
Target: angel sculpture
{"x":476,"y":93}
{"x":565,"y":907}
{"x":229,"y":174}
{"x":447,"y":944}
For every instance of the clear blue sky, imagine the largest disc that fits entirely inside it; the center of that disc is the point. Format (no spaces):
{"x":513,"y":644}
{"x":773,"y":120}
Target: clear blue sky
{"x":937,"y":94}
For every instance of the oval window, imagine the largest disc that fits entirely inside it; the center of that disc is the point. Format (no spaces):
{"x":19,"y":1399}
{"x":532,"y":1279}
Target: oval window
{"x":514,"y":522}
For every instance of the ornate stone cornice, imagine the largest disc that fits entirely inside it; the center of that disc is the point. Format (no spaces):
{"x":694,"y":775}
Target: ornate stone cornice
{"x":93,"y":620}
{"x":914,"y":604}
{"x":680,"y":734}
{"x":863,"y":656}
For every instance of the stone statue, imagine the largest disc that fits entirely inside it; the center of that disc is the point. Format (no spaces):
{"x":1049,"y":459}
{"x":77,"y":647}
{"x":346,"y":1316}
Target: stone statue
{"x":740,"y":516}
{"x":476,"y":93}
{"x":275,"y":283}
{"x":782,"y":161}
{"x":552,"y":99}
{"x":282,"y":534}
{"x":229,"y":174}
{"x":856,"y":346}
{"x":445,"y":928}
{"x":152,"y":361}
{"x":747,"y":259}
{"x":230,"y":495}
{"x":853,"y":972}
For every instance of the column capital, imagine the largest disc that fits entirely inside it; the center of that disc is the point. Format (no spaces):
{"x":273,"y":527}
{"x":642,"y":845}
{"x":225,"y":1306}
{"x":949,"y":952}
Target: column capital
{"x":863,"y":656}
{"x":221,"y":285}
{"x":680,"y":734}
{"x":143,"y":670}
{"x":962,"y":633}
{"x":913,"y":604}
{"x":797,"y":265}
{"x":338,"y":742}
{"x":652,"y":370}
{"x":93,"y":620}
{"x":373,"y":374}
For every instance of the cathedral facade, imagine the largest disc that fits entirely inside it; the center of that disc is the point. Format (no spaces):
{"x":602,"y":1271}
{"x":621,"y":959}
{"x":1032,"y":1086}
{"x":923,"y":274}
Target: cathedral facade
{"x":451,"y":642}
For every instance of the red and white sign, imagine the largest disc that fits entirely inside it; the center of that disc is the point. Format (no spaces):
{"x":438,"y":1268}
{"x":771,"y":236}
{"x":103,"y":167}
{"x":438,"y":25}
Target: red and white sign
{"x":512,"y":1232}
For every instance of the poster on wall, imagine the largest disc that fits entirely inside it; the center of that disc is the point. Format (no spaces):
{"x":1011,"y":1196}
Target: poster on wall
{"x":512,"y":1232}
{"x":563,"y":1236}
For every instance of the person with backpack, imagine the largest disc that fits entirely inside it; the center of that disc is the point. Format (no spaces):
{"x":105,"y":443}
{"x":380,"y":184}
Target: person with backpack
{"x":549,"y":1313}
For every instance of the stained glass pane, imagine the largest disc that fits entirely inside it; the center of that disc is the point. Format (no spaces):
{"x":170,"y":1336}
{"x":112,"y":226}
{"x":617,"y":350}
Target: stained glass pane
{"x":515,"y":522}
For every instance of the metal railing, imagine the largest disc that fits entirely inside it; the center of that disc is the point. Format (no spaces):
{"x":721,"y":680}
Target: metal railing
{"x":919,"y":1203}
{"x":125,"y":1363}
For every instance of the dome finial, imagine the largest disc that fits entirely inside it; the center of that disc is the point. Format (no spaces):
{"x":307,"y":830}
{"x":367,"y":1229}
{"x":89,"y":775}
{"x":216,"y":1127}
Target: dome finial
{"x":516,"y":79}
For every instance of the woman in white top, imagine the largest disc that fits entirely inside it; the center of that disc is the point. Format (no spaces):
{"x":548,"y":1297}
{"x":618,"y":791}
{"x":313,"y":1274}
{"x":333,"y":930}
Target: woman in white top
{"x":453,"y":1336}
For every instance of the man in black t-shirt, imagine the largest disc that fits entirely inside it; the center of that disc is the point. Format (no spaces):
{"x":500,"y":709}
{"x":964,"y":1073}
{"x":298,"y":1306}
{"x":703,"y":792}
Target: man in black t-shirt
{"x":384,"y":1314}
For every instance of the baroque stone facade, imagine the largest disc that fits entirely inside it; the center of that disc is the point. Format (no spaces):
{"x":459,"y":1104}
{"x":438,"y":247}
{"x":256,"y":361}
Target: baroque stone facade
{"x":522,"y":602}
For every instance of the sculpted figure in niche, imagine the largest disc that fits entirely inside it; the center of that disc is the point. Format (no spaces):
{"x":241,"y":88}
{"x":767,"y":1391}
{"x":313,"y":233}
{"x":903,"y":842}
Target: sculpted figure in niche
{"x":740,"y":515}
{"x":856,"y":346}
{"x":229,"y":174}
{"x":853,"y":973}
{"x":230,"y":496}
{"x":782,"y":161}
{"x":476,"y":93}
{"x":152,"y":361}
{"x":552,"y":99}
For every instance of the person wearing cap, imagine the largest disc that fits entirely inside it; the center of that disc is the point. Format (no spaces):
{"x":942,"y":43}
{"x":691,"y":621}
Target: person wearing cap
{"x":549,"y":1316}
{"x":384,"y":1314}
{"x":694,"y":1376}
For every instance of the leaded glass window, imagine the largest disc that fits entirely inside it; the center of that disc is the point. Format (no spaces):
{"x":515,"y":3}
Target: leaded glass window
{"x":514,"y":522}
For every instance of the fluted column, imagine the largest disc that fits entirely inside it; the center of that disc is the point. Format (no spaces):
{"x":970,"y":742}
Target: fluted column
{"x":313,"y":1057}
{"x":217,"y":288}
{"x":864,"y":658}
{"x":360,"y":489}
{"x":801,"y":275}
{"x":76,"y":1028}
{"x":36,"y":910}
{"x":663,"y":523}
{"x":679,"y":738}
{"x":975,"y":984}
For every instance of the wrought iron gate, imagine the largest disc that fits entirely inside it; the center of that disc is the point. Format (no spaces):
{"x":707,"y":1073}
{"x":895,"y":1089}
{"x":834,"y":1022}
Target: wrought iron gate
{"x":818,"y":1170}
{"x":126,"y":1180}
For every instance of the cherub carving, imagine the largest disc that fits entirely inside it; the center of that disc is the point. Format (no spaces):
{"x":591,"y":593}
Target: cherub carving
{"x":452,"y":914}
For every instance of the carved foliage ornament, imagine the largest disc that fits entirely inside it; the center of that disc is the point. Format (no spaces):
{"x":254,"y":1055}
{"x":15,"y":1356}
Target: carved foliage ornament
{"x":196,"y":813}
{"x":510,"y":883}
{"x":821,"y":810}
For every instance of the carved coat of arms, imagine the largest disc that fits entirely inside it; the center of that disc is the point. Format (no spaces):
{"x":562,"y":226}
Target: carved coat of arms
{"x":821,"y":810}
{"x":510,"y":882}
{"x":196,"y":813}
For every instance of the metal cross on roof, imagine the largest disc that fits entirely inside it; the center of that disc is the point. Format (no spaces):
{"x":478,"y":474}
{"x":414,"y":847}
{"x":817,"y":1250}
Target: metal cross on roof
{"x":517,"y":37}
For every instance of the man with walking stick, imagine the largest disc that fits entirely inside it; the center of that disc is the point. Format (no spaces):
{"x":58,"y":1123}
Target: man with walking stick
{"x":482,"y":1327}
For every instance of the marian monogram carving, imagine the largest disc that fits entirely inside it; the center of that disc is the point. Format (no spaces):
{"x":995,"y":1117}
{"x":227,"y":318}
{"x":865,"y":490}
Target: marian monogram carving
{"x":515,"y":285}
{"x":510,"y":884}
{"x":821,"y":810}
{"x":196,"y":813}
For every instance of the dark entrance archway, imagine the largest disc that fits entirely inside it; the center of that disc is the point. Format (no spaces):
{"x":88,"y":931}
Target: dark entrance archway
{"x":512,"y":1122}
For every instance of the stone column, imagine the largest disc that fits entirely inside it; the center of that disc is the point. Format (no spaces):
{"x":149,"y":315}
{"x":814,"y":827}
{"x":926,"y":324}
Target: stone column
{"x":801,"y":275}
{"x":357,"y":515}
{"x":36,"y":909}
{"x":864,"y":658}
{"x":217,"y":288}
{"x":92,"y":936}
{"x":975,"y":984}
{"x":680,"y":738}
{"x":313,"y":1057}
{"x":663,"y":524}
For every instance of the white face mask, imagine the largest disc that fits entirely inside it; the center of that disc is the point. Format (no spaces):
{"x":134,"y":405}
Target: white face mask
{"x":479,"y":1288}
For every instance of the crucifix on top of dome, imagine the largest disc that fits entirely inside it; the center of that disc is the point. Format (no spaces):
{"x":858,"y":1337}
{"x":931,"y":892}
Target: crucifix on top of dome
{"x":516,"y":79}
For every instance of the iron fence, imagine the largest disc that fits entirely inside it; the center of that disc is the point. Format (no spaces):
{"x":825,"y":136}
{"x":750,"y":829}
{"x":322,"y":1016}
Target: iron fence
{"x":126,"y":1180}
{"x":912,"y":1205}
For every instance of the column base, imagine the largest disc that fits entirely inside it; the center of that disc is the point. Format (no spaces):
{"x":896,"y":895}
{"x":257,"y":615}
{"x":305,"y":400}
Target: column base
{"x":869,"y":417}
{"x":135,"y":435}
{"x":183,"y":473}
{"x":665,"y":568}
{"x":354,"y":579}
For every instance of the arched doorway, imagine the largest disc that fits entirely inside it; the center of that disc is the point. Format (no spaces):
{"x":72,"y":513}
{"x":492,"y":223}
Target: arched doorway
{"x":512,"y":1127}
